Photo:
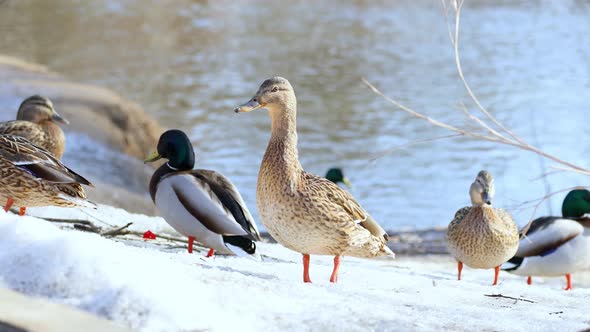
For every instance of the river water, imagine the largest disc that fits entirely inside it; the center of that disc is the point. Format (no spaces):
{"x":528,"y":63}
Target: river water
{"x":189,"y":63}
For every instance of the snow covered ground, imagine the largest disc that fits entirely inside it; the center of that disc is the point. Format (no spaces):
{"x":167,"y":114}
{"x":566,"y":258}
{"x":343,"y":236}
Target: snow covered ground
{"x":158,"y":286}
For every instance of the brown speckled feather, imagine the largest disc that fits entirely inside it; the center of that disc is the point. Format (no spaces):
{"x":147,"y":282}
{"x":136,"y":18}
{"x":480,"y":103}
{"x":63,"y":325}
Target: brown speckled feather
{"x":482,"y":236}
{"x":47,"y":135}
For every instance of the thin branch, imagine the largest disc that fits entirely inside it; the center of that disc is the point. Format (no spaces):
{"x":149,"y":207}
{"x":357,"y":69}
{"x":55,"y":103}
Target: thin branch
{"x":117,"y":231}
{"x":464,"y":81}
{"x":509,"y":297}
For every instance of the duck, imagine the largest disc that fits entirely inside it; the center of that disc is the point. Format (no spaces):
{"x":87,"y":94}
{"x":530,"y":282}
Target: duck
{"x":36,"y":121}
{"x":481,"y":236}
{"x":31,"y":176}
{"x":336,"y":175}
{"x":200,"y":204}
{"x":306,"y":213}
{"x":556,"y":246}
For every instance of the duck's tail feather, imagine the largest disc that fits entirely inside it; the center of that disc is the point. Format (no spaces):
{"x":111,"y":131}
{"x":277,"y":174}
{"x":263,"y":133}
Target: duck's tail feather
{"x":241,"y":246}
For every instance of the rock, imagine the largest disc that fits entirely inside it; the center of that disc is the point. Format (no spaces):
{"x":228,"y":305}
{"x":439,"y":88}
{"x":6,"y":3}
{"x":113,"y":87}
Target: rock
{"x":98,"y":112}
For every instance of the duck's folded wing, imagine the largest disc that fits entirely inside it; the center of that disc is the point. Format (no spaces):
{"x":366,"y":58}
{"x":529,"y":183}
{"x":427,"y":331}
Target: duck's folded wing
{"x":231,"y":199}
{"x":340,"y":197}
{"x":199,"y":199}
{"x":546,"y":235}
{"x":37,"y":161}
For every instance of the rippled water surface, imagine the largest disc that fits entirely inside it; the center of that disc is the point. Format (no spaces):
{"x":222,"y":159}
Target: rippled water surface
{"x":188,"y":63}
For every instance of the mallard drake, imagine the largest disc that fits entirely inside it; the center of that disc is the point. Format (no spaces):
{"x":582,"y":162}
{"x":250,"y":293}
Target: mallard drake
{"x":480,"y":236}
{"x":336,"y":175}
{"x":31,"y":176}
{"x":304,"y":212}
{"x":198,"y":203}
{"x":35,"y":121}
{"x":556,"y":246}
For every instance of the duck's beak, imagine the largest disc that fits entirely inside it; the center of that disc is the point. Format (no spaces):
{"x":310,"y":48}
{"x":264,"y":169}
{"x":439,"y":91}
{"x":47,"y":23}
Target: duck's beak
{"x":347,"y":182}
{"x":249,"y":106}
{"x":485,"y":197}
{"x":152,"y":157}
{"x":58,"y":118}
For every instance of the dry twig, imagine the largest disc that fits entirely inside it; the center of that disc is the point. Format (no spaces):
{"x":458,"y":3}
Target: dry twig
{"x":491,"y":129}
{"x":509,"y":297}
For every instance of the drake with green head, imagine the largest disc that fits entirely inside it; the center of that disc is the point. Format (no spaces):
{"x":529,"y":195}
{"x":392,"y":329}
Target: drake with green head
{"x":198,"y":203}
{"x":556,"y":246}
{"x":36,"y":121}
{"x":336,"y":175}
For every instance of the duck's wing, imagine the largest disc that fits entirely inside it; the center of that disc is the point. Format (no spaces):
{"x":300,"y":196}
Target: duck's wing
{"x":230,"y":198}
{"x":194,"y":190}
{"x":342,"y":203}
{"x":546,"y":234}
{"x":37,"y":161}
{"x":460,"y":215}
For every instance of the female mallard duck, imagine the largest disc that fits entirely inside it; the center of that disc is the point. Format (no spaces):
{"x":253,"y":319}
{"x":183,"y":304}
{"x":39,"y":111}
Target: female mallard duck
{"x":198,"y":203}
{"x":31,"y":176}
{"x":35,"y":121}
{"x":337,"y":176}
{"x":556,"y":246}
{"x":481,"y":236}
{"x":304,"y":212}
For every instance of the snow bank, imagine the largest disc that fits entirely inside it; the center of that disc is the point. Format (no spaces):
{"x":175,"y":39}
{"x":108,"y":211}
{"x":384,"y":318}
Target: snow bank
{"x":152,"y":287}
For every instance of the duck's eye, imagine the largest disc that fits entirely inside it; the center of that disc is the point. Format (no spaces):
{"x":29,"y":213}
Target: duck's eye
{"x":275,"y":89}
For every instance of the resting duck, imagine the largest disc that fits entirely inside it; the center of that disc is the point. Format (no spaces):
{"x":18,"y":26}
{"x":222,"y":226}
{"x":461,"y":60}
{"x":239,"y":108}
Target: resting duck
{"x":304,"y":212}
{"x":480,"y":236}
{"x":31,"y":176}
{"x":337,"y":176}
{"x":556,"y":246}
{"x":198,"y":203}
{"x":35,"y":121}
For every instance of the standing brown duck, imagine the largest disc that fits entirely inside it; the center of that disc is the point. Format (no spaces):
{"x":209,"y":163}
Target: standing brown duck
{"x":304,"y":212}
{"x":481,"y":236}
{"x":35,"y":121}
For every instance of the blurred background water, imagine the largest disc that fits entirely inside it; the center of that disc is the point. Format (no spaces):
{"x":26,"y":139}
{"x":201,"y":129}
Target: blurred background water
{"x":189,"y":63}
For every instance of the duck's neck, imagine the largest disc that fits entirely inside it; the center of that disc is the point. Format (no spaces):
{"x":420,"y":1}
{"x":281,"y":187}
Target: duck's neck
{"x":57,"y":138}
{"x":281,"y":154}
{"x":165,"y":169}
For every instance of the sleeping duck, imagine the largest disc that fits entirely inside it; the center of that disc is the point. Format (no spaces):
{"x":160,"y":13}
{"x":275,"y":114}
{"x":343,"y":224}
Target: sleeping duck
{"x":556,"y":246}
{"x":35,"y":121}
{"x":302,"y":211}
{"x":481,"y":236}
{"x":200,"y":204}
{"x":31,"y":176}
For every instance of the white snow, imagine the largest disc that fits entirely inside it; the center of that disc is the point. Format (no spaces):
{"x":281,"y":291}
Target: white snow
{"x":156,"y":286}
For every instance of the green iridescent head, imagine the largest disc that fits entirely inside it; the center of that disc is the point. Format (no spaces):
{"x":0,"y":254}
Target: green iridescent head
{"x":335,"y":175}
{"x":576,"y":203}
{"x":175,"y":146}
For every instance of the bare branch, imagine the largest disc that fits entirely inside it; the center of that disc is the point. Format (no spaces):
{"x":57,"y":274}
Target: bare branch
{"x":509,"y":297}
{"x":117,"y":231}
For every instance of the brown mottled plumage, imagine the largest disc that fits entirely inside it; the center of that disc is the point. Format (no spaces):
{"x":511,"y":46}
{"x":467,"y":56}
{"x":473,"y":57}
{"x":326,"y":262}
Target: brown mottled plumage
{"x":481,"y":236}
{"x":304,"y":212}
{"x":31,"y":176}
{"x":35,"y":121}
